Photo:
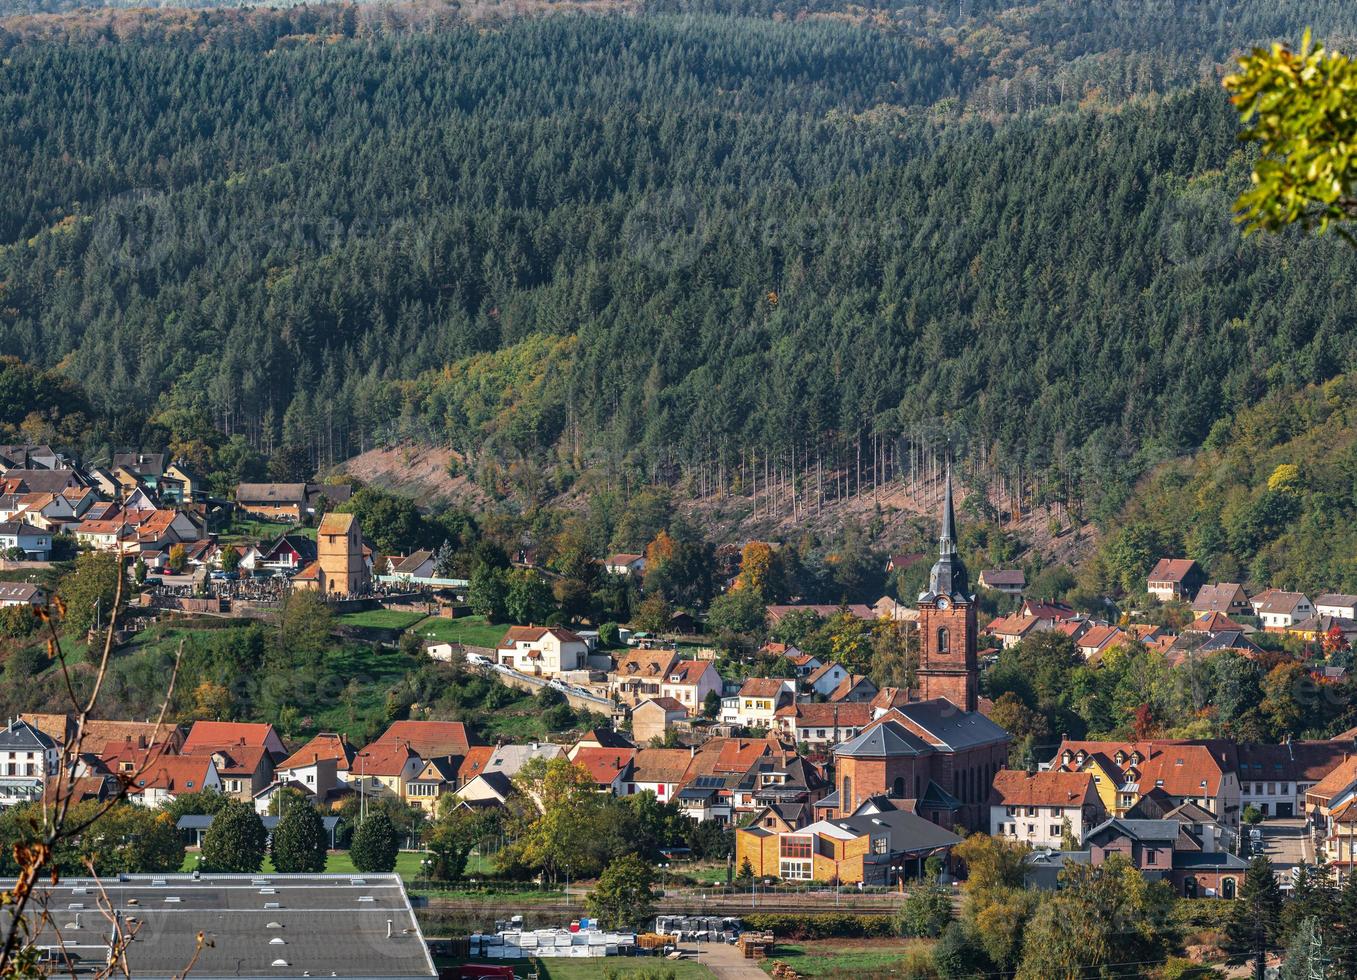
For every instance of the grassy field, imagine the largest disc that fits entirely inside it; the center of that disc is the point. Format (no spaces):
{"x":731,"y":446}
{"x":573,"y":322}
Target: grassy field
{"x":841,"y":959}
{"x":337,"y":863}
{"x":391,"y":619}
{"x":262,"y":531}
{"x":471,"y":630}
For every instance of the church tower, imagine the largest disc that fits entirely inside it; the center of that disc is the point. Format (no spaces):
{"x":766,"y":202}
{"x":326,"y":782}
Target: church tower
{"x":947,"y":627}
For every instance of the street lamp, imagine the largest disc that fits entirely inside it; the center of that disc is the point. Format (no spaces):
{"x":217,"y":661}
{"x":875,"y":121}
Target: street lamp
{"x":664,"y":876}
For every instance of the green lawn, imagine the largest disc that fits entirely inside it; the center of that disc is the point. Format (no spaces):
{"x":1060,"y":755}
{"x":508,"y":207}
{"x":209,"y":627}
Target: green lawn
{"x":845,"y":958}
{"x":471,"y":630}
{"x":261,"y":531}
{"x":336,"y":863}
{"x":391,"y":619}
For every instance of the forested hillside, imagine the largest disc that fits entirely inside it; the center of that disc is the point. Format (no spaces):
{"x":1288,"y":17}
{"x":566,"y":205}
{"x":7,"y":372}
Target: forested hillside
{"x":671,"y":245}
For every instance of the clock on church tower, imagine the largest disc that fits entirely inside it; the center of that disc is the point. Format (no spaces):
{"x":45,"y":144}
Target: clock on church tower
{"x":947,"y":623}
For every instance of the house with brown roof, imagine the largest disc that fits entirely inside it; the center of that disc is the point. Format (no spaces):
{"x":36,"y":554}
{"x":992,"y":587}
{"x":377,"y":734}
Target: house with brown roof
{"x":215,"y":734}
{"x":383,"y":768}
{"x":640,"y":672}
{"x":1276,"y":778}
{"x":542,"y":651}
{"x":286,"y":501}
{"x":1097,"y":640}
{"x":1336,"y":604}
{"x":1012,"y":630}
{"x":653,"y":717}
{"x":854,"y":687}
{"x":689,"y":682}
{"x":624,"y":563}
{"x":1225,"y":598}
{"x":473,"y":763}
{"x":1201,"y":772}
{"x":778,"y":612}
{"x":823,"y":724}
{"x":1278,"y":610}
{"x":1175,"y":578}
{"x":825,"y":678}
{"x":439,"y":776}
{"x":610,"y":769}
{"x":169,"y":777}
{"x":431,"y":739}
{"x":758,"y":701}
{"x":659,"y":771}
{"x":1041,"y":808}
{"x":243,"y":769}
{"x":1009,"y":581}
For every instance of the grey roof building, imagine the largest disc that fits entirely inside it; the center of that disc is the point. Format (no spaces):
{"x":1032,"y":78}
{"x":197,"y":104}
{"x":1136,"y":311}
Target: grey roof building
{"x":358,"y":927}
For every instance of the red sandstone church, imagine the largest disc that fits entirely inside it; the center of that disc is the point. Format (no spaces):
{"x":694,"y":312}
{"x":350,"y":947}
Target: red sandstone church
{"x":936,"y":755}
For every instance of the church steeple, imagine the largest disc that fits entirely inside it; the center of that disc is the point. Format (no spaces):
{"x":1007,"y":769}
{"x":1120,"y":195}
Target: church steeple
{"x":949,"y":574}
{"x":947,"y":537}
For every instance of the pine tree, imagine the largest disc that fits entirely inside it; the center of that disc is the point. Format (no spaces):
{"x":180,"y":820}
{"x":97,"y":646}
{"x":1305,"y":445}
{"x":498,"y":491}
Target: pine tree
{"x":1345,"y":942}
{"x":374,"y":844}
{"x":299,"y":842}
{"x":1255,"y":919}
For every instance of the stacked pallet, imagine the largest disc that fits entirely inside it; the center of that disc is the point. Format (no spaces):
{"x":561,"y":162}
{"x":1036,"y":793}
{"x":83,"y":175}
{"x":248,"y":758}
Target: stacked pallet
{"x":756,"y":945}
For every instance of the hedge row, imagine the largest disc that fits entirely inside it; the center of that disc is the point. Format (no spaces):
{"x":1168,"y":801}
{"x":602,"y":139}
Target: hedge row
{"x":824,"y":925}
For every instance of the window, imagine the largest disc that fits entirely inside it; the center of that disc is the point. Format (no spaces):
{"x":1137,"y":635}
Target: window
{"x":846,"y":796}
{"x":1151,"y":855}
{"x":942,"y":639}
{"x":1055,"y":830}
{"x":880,"y":845}
{"x":795,"y":847}
{"x":795,"y":870}
{"x":898,"y":788}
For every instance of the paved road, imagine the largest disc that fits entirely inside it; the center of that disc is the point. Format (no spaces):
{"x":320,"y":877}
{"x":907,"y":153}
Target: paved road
{"x":727,"y":962}
{"x":1286,"y":843}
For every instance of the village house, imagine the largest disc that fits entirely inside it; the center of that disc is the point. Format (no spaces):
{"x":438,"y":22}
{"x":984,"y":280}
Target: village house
{"x":1331,"y":812}
{"x":384,"y":769}
{"x":439,"y":776}
{"x":28,"y":758}
{"x":640,"y":673}
{"x":288,"y":554}
{"x":1337,"y":605}
{"x":1224,"y":598}
{"x":824,"y":679}
{"x":1009,"y":581}
{"x":689,"y":682}
{"x":1174,"y":579}
{"x":542,"y":651}
{"x":1202,"y":772}
{"x":431,"y":739}
{"x":34,"y":542}
{"x":169,"y":777}
{"x":1277,"y":610}
{"x":1097,"y":640}
{"x":1044,"y":809}
{"x":759,"y":699}
{"x":659,"y":771}
{"x":624,"y":564}
{"x":653,"y":717}
{"x":216,"y":734}
{"x":610,"y":769}
{"x":821,"y":725}
{"x":1009,"y":631}
{"x":416,"y":565}
{"x":778,"y":612}
{"x":288,"y":501}
{"x":22,"y":594}
{"x":854,"y":687}
{"x":242,"y":769}
{"x":1277,"y":778}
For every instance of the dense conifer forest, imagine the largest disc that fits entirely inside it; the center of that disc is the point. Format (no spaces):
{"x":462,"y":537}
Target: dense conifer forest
{"x":686,"y":242}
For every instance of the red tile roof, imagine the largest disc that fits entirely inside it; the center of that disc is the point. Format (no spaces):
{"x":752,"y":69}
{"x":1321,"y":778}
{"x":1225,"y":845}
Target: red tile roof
{"x":763,"y":687}
{"x":823,"y":714}
{"x":688,"y":671}
{"x":603,"y":765}
{"x":383,"y":758}
{"x":326,"y":745}
{"x":473,"y":762}
{"x":1213,"y":622}
{"x":1171,"y":569}
{"x":213,"y":734}
{"x":430,"y":738}
{"x":181,"y":774}
{"x":660,"y":765}
{"x":1339,"y":779}
{"x":1014,"y":787}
